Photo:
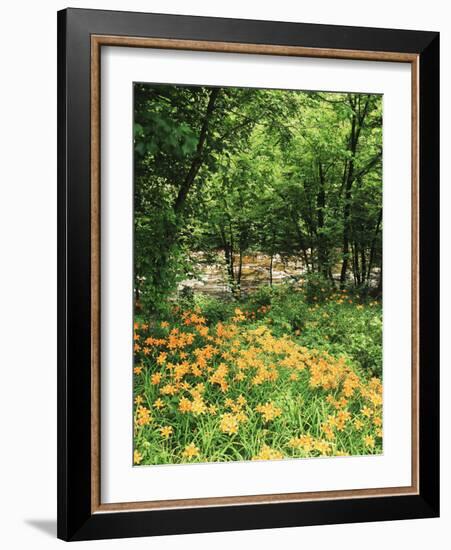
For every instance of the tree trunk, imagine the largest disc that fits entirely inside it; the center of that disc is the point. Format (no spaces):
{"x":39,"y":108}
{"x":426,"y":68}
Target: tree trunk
{"x":373,"y":246}
{"x":363,"y":264}
{"x":347,"y":204}
{"x":355,"y":267}
{"x":379,"y":284}
{"x":301,"y":240}
{"x":320,"y":208}
{"x":331,"y":276}
{"x":198,"y":156}
{"x":228,"y":255}
{"x":273,"y":240}
{"x":357,"y":122}
{"x":240,"y":270}
{"x":137,"y":296}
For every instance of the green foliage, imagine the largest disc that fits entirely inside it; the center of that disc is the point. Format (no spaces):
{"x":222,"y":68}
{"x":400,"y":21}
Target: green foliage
{"x":288,"y":310}
{"x":263,"y":296}
{"x":225,"y":174}
{"x":317,"y":287}
{"x":236,"y":171}
{"x":214,"y":309}
{"x":330,"y":320}
{"x":161,"y":134}
{"x":156,"y":268}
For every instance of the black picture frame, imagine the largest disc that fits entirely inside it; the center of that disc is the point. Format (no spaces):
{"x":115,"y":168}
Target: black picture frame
{"x":76,"y":521}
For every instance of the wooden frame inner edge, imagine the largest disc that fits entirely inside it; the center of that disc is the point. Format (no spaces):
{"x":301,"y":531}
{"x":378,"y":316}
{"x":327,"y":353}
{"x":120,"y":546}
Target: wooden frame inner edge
{"x":106,"y":40}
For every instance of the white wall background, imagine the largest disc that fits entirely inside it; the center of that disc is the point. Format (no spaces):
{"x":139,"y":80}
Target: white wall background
{"x":28,"y":272}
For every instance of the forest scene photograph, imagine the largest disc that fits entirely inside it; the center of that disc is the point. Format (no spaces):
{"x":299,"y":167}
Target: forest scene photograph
{"x":257,"y":274}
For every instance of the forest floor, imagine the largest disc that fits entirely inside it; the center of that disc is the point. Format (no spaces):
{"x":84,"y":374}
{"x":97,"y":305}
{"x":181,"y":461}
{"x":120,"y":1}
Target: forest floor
{"x":283,"y":373}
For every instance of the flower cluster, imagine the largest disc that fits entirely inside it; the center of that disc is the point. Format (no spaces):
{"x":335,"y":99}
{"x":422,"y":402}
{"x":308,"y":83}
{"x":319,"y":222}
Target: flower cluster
{"x":234,"y":390}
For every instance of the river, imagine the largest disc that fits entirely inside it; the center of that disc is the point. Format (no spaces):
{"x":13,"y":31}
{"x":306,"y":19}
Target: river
{"x":211,"y":278}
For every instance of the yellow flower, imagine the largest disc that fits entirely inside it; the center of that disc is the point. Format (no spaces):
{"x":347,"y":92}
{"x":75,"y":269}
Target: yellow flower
{"x":143,"y":416}
{"x":184,"y":405}
{"x":377,"y":421}
{"x":241,"y":416}
{"x":137,"y":457}
{"x":269,"y":411}
{"x":161,"y":358}
{"x":322,"y":446}
{"x":342,"y":402}
{"x":341,"y":419}
{"x":328,"y":431}
{"x":304,"y":442}
{"x":190,"y":451}
{"x":239,"y":316}
{"x":166,"y":431}
{"x":256,"y":358}
{"x":376,"y":399}
{"x":164,"y":324}
{"x":138,"y":369}
{"x":267,"y":453}
{"x":229,"y":423}
{"x":241,"y":401}
{"x":203,"y":331}
{"x":358,"y":424}
{"x":198,"y":390}
{"x":168,"y":389}
{"x":198,"y":406}
{"x":156,"y":378}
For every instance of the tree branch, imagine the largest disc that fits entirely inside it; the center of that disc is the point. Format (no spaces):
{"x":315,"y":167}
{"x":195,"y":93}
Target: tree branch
{"x":197,"y":160}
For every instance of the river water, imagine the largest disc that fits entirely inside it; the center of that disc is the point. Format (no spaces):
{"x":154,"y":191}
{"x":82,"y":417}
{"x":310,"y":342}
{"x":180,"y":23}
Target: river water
{"x":212,"y":278}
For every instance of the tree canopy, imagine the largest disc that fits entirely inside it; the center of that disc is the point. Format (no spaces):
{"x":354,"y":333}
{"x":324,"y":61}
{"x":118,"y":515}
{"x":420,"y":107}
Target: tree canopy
{"x":234,"y":171}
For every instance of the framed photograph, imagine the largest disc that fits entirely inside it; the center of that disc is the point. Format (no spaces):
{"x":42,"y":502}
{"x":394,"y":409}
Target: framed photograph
{"x":248,"y":274}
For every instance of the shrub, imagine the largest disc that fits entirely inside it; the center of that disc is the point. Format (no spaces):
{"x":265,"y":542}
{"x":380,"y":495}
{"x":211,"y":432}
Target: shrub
{"x":214,"y":309}
{"x":288,"y":309}
{"x":316,"y":287}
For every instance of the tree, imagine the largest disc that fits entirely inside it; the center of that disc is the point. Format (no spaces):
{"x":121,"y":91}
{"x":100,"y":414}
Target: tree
{"x":227,"y":172}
